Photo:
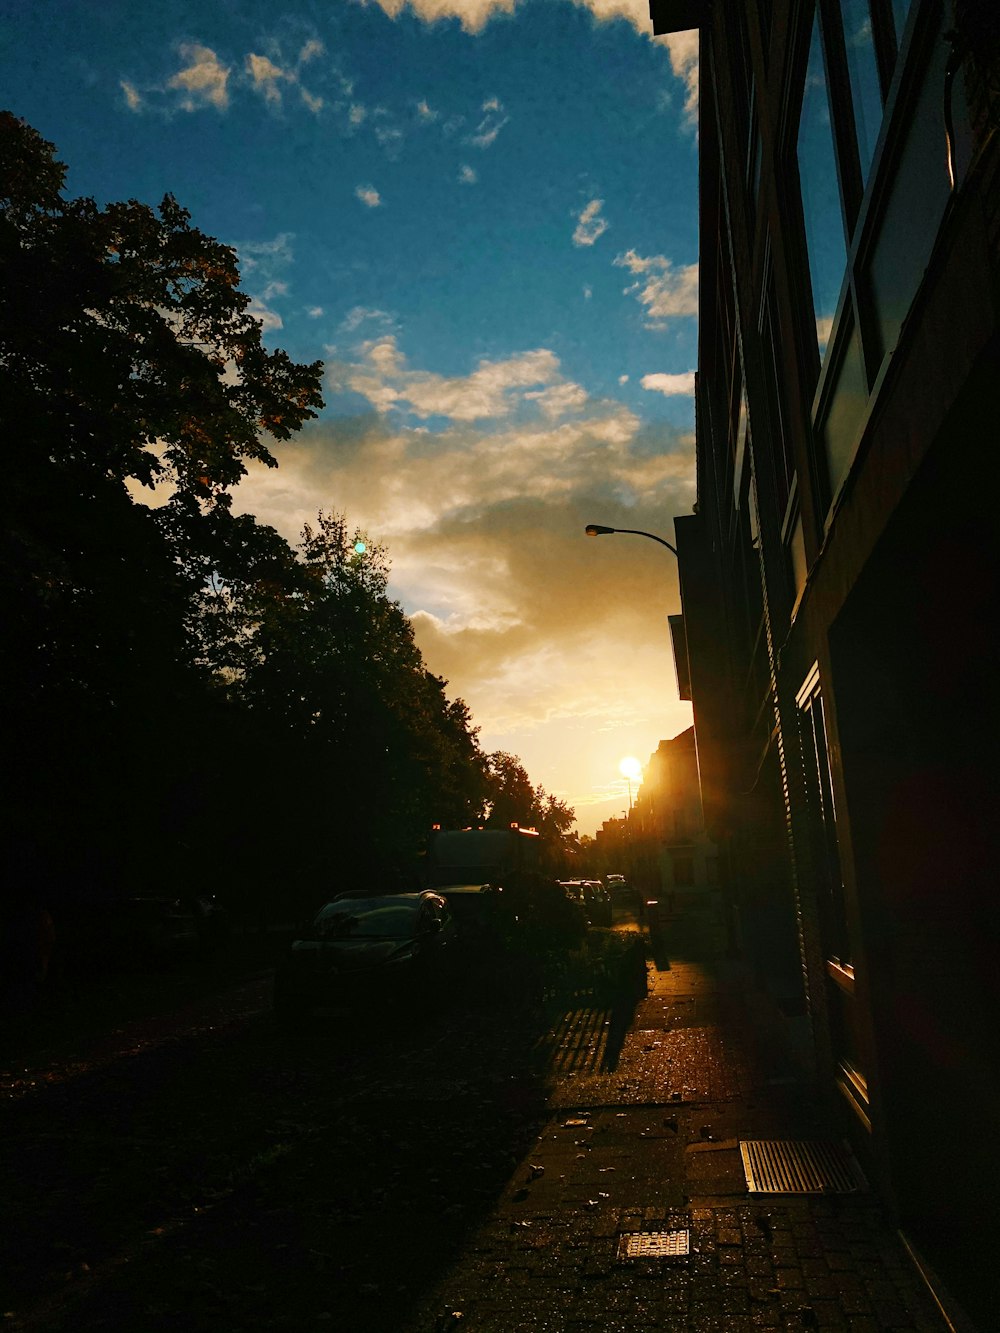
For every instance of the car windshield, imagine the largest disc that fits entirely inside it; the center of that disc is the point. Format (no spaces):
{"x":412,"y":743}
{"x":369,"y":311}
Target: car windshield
{"x":384,"y":919}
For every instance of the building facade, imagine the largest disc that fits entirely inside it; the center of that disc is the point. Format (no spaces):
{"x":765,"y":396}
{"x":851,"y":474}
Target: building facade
{"x":839,"y":575}
{"x":679,"y":862}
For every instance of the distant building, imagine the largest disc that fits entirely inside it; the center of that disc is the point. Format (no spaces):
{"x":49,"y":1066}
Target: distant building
{"x":839,"y":576}
{"x":667,"y":829}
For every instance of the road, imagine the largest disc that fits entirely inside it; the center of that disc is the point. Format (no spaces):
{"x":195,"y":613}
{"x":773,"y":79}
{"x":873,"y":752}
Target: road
{"x":203,"y":1171}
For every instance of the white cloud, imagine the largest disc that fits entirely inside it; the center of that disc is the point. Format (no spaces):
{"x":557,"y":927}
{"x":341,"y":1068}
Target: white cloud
{"x":312,"y":48}
{"x":360,"y":314}
{"x":315,"y":311}
{"x":425,"y":112}
{"x":683,"y":49}
{"x":269,"y":319}
{"x":203,"y":81}
{"x":265,"y":76}
{"x":467,"y":175}
{"x":510,"y":603}
{"x":357,"y":114}
{"x":666,"y":292}
{"x":133,"y":100}
{"x":383,"y":377}
{"x":315,"y":104}
{"x":389,"y":137}
{"x":559,"y":400}
{"x":492,"y":122}
{"x":266,"y":258}
{"x":472,"y":14}
{"x":369,"y":196}
{"x":623,"y":379}
{"x":670,"y":385}
{"x":590,"y":225}
{"x":588,"y":292}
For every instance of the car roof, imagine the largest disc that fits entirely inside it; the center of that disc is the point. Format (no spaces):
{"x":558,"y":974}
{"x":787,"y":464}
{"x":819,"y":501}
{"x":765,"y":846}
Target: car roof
{"x":399,"y":899}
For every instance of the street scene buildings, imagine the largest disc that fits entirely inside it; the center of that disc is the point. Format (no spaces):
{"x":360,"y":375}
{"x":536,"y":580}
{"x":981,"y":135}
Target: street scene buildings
{"x":838,"y":578}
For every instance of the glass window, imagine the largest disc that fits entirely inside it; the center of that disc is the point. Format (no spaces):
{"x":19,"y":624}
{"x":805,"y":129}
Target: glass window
{"x":863,"y":70}
{"x":900,"y":9}
{"x":821,"y":209}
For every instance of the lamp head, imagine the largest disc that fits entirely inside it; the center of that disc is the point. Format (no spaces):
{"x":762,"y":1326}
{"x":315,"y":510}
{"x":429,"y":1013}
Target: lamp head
{"x":597,"y":530}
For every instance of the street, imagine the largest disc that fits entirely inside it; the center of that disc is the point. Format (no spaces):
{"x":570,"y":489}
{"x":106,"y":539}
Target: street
{"x":229,"y":1176}
{"x":482,"y":1165}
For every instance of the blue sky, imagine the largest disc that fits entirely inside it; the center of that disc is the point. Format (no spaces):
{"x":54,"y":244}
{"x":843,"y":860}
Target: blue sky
{"x":482,"y":216}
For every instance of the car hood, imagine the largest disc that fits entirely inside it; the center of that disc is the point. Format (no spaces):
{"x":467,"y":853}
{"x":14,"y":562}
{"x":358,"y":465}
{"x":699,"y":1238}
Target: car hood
{"x":350,"y":955}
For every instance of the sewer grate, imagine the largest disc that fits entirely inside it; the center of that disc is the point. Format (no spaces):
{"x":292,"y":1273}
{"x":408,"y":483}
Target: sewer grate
{"x":654,"y":1245}
{"x":787,"y":1166}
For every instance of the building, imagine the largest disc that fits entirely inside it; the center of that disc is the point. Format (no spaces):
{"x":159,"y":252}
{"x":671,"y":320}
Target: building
{"x":839,"y":575}
{"x":679,"y":862}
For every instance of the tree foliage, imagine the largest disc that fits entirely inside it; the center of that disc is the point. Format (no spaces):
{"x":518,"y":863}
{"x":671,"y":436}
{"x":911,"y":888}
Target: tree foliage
{"x":190,"y":702}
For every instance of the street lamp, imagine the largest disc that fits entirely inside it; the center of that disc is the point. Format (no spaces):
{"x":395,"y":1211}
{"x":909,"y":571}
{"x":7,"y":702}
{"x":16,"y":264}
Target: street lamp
{"x":598,"y":530}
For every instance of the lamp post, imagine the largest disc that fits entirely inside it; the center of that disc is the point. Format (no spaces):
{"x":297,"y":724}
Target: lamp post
{"x":599,"y":530}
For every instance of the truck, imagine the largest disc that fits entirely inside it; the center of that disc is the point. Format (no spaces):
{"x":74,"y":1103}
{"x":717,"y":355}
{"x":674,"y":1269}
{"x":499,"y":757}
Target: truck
{"x":483,"y":855}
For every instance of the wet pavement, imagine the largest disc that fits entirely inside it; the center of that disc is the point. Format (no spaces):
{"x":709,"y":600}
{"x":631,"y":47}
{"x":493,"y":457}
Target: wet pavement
{"x":487,"y":1169}
{"x":642,"y":1153}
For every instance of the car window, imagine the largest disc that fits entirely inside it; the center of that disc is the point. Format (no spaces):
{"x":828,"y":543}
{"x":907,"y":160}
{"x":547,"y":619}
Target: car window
{"x":349,"y":919}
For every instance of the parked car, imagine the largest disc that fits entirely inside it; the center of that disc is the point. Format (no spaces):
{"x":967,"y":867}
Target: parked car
{"x":369,"y":951}
{"x":482,"y":917}
{"x":597,"y":903}
{"x":593,"y":898}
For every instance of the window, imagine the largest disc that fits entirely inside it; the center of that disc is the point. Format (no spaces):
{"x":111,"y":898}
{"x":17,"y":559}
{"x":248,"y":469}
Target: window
{"x":822,"y":214}
{"x":822,"y":819}
{"x":862,"y":68}
{"x":683,"y":870}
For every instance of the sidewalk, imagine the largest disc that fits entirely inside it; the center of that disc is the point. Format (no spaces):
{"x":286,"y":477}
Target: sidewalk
{"x":645,"y":1157}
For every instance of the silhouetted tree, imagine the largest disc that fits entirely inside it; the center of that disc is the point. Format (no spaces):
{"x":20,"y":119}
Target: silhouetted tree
{"x":127,"y":358}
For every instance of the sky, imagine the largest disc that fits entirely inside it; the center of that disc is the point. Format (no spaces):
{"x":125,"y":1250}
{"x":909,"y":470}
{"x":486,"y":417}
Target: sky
{"x":481,"y":215}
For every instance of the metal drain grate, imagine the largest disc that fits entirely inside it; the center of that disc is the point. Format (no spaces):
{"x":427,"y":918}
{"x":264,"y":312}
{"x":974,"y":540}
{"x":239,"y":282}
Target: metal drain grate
{"x":787,"y":1166}
{"x":654,"y":1245}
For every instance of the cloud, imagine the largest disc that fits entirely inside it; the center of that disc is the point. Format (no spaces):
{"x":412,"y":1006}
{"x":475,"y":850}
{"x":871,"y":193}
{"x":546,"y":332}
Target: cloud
{"x":666,"y":292}
{"x":266,"y":259}
{"x":670,"y":385}
{"x":472,"y":14}
{"x":494,"y":390}
{"x":265,"y":76}
{"x":315,"y":312}
{"x":683,"y":49}
{"x":425,"y":112}
{"x":269,"y":319}
{"x":590,"y":225}
{"x":467,"y":175}
{"x":559,"y":399}
{"x":133,"y":100}
{"x":360,"y":314}
{"x":527,"y":620}
{"x":204,"y":79}
{"x":369,"y":196}
{"x":489,"y":126}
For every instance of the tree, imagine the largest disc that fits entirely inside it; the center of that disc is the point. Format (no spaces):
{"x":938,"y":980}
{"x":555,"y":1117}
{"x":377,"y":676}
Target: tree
{"x":513,"y":799}
{"x":127,"y":358}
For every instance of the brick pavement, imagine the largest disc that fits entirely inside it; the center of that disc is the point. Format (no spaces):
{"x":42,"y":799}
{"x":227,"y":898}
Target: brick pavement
{"x":649,"y":1143}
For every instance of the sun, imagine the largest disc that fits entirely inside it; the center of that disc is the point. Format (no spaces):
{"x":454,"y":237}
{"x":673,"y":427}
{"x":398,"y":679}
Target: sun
{"x":630,"y":768}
